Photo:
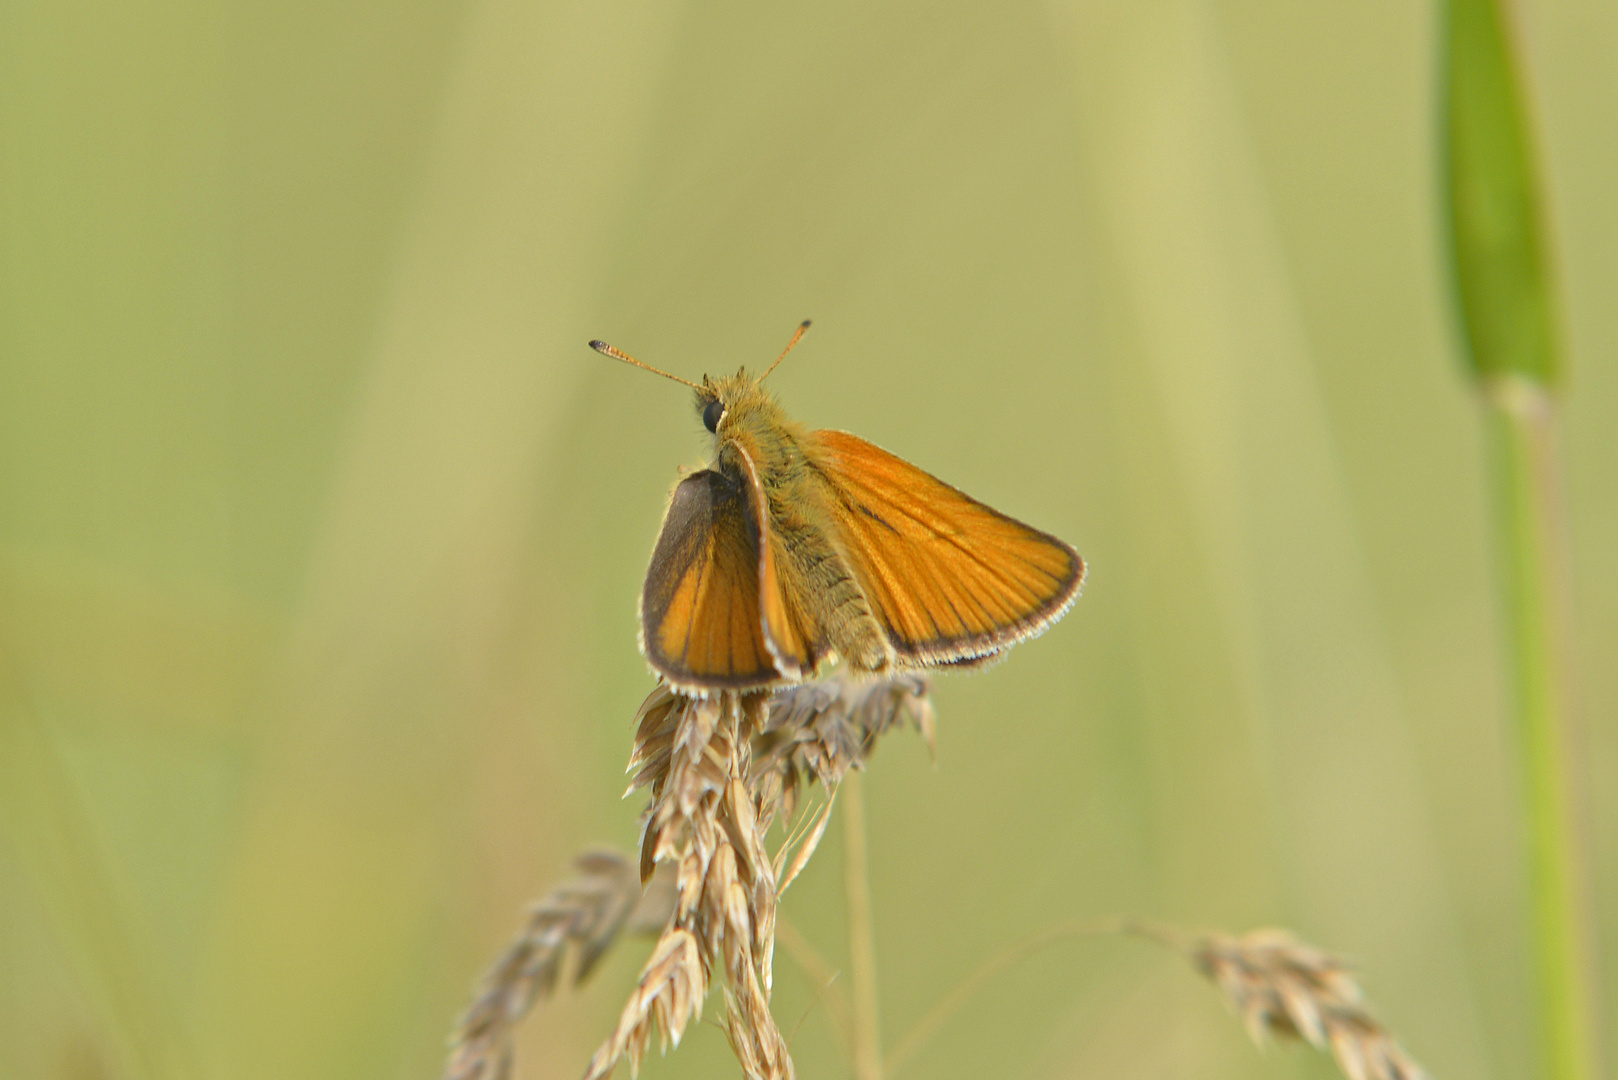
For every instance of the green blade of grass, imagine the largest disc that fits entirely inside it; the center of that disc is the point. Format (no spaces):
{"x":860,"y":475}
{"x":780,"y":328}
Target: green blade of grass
{"x":1506,"y":301}
{"x":1493,"y":203}
{"x":43,"y":824}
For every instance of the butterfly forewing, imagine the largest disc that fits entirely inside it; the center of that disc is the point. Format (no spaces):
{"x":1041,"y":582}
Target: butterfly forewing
{"x":947,"y":577}
{"x":788,"y":631}
{"x":700,"y":616}
{"x":789,"y":636}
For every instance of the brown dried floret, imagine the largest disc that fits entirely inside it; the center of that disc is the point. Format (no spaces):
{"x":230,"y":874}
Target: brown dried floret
{"x":820,"y":730}
{"x":719,"y":770}
{"x":1284,"y":987}
{"x":582,"y":918}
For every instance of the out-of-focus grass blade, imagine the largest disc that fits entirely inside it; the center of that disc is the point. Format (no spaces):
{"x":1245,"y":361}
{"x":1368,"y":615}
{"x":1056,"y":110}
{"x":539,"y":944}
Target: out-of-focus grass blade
{"x":42,"y":822}
{"x":1506,"y":303}
{"x":1493,"y":203}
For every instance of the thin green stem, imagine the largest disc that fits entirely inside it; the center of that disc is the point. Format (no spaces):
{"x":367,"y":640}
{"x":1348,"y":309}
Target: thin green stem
{"x":1506,"y":301}
{"x":44,"y":822}
{"x":861,"y":940}
{"x":823,"y":975}
{"x":1537,"y":602}
{"x":952,"y":1003}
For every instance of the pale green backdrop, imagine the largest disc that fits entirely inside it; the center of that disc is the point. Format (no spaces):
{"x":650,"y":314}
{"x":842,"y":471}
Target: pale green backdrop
{"x":321,"y":530}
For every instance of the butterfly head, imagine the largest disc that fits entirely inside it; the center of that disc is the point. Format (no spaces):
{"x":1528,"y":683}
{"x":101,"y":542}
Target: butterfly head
{"x":743,"y":416}
{"x":729,"y":402}
{"x":740,"y":403}
{"x":747,"y":423}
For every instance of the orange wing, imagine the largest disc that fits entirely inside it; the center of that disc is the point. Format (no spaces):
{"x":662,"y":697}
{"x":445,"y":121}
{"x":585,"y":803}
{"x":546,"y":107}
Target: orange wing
{"x":948,"y":578}
{"x":702,"y":624}
{"x":699,"y":612}
{"x":788,"y":635}
{"x":795,"y":648}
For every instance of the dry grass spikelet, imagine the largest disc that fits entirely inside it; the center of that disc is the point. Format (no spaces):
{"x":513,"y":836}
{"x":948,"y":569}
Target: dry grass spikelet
{"x":669,"y":993}
{"x":582,"y":917}
{"x":719,"y":771}
{"x":704,"y":820}
{"x":820,"y":730}
{"x":1284,"y":987}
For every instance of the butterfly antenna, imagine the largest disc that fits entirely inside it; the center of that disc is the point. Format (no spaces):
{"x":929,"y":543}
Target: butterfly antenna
{"x":796,"y":337}
{"x":618,"y":354}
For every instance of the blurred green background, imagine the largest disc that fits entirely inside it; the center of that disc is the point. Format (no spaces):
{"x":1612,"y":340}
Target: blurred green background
{"x":321,"y":530}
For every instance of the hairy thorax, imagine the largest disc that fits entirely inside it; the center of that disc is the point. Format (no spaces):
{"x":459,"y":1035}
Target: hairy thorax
{"x":786,"y":458}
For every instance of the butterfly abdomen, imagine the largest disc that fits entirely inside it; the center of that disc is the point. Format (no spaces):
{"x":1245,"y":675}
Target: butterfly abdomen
{"x":838,"y":605}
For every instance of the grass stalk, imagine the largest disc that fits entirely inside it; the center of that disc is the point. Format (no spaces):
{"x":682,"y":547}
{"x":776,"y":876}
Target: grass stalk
{"x":946,"y":1008}
{"x":867,"y":1028}
{"x":1537,"y":591}
{"x":1506,"y":302}
{"x":44,"y":822}
{"x":823,"y":975}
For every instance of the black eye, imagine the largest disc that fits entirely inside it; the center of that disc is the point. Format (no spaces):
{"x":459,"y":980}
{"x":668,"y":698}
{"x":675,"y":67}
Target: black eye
{"x":711,"y":415}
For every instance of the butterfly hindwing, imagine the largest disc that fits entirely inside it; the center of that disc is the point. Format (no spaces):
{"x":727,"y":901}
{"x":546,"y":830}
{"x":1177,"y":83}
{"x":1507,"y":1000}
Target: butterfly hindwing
{"x":948,"y":578}
{"x":700,"y":618}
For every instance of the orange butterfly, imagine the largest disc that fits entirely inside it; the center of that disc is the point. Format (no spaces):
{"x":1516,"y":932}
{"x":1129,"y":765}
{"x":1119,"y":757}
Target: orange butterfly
{"x":796,"y":545}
